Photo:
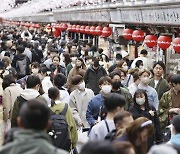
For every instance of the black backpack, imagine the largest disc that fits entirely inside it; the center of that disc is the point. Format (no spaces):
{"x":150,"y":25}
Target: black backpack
{"x":21,"y":66}
{"x":59,"y":130}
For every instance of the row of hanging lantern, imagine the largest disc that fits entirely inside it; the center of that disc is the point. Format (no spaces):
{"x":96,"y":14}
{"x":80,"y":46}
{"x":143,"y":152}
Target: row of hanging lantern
{"x":163,"y":42}
{"x":89,"y":30}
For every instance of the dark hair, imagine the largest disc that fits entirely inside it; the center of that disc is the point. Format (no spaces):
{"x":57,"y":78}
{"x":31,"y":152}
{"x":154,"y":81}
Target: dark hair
{"x":138,"y":63}
{"x":122,"y":147}
{"x":144,"y":52}
{"x":82,"y":62}
{"x":112,"y":74}
{"x":35,"y":65}
{"x":175,"y":79}
{"x":119,"y":64}
{"x":118,"y":56}
{"x":141,"y":91}
{"x":32,"y":81}
{"x":44,"y":70}
{"x":118,"y":118}
{"x":135,"y":76}
{"x":34,"y":114}
{"x":76,"y":79}
{"x":144,"y":71}
{"x":97,"y":147}
{"x":53,"y":50}
{"x":20,"y":48}
{"x":159,"y":63}
{"x":7,"y":80}
{"x":175,"y":122}
{"x":105,"y":79}
{"x":100,"y":50}
{"x":59,"y":80}
{"x":114,"y":100}
{"x":56,"y":57}
{"x":67,"y":58}
{"x":53,"y":93}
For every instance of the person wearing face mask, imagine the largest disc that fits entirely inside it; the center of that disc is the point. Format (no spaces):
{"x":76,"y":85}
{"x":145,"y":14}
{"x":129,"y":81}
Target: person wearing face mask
{"x":72,"y":64}
{"x":142,"y":108}
{"x":134,"y":86}
{"x":170,"y":102}
{"x":97,"y":102}
{"x":139,"y":64}
{"x":93,"y":74}
{"x":78,"y":69}
{"x":104,"y":61}
{"x":117,"y":88}
{"x":79,"y":99}
{"x":144,"y":75}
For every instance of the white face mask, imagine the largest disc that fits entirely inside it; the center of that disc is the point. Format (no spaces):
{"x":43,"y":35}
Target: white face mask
{"x":141,"y":67}
{"x":35,"y":71}
{"x":140,"y":101}
{"x":125,"y":68}
{"x":82,"y":85}
{"x":82,"y":53}
{"x":106,"y":89}
{"x":145,"y":80}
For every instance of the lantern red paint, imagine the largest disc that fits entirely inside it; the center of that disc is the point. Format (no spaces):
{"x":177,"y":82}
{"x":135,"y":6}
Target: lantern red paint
{"x":69,"y":28}
{"x":57,"y":33}
{"x":106,"y":32}
{"x":176,"y":44}
{"x":87,"y":29}
{"x":150,"y":40}
{"x":164,"y":42}
{"x":73,"y":29}
{"x":98,"y":30}
{"x":138,"y":35}
{"x":37,"y":26}
{"x":127,"y":34}
{"x":82,"y":29}
{"x":57,"y":26}
{"x":92,"y":30}
{"x":78,"y":28}
{"x":64,"y":27}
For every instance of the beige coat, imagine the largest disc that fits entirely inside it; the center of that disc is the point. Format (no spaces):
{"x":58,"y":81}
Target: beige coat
{"x":9,"y":96}
{"x":79,"y":105}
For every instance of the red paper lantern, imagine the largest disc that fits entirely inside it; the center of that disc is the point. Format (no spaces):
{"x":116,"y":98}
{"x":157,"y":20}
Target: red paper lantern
{"x":64,"y":27}
{"x":57,"y":33}
{"x":98,"y":30}
{"x":78,"y":28}
{"x":87,"y":29}
{"x":57,"y":26}
{"x":127,"y":34}
{"x":150,"y":40}
{"x":92,"y":30}
{"x":138,"y":35}
{"x":37,"y":26}
{"x":82,"y":29}
{"x":164,"y":42}
{"x":176,"y":44}
{"x":106,"y":32}
{"x":73,"y":28}
{"x":69,"y":28}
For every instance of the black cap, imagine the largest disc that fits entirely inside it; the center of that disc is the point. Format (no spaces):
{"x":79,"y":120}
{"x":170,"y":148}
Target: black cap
{"x":176,"y":123}
{"x":95,"y":59}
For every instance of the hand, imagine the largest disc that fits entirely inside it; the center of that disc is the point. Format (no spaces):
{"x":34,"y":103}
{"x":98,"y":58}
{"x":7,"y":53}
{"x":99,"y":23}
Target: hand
{"x":80,"y":124}
{"x":96,"y":122}
{"x":151,"y":113}
{"x":174,"y":110}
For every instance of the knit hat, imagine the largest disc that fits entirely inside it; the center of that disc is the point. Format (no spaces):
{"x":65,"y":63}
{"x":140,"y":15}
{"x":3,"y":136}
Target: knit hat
{"x":162,"y":149}
{"x":176,"y":123}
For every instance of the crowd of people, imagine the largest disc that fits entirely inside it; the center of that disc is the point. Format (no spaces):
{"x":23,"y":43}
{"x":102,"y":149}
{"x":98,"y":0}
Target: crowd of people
{"x":62,"y":95}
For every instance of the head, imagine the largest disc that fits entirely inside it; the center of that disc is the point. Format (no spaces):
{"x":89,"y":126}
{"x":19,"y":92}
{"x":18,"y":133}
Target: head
{"x":136,"y":78}
{"x":144,"y":53}
{"x":139,"y":64}
{"x":144,"y":76}
{"x":80,"y":63}
{"x":33,"y":82}
{"x":43,"y":72}
{"x":123,"y":148}
{"x":114,"y":103}
{"x":73,"y":57}
{"x":118,"y":58}
{"x":73,"y":49}
{"x":56,"y":60}
{"x":175,"y":80}
{"x":97,"y":147}
{"x":116,"y":80}
{"x":59,"y":80}
{"x":122,"y":120}
{"x":158,"y":68}
{"x":53,"y":93}
{"x":53,"y":52}
{"x":122,"y":65}
{"x":78,"y":82}
{"x":66,"y":58}
{"x":95,"y":62}
{"x":140,"y":98}
{"x":105,"y":84}
{"x":20,"y":49}
{"x":7,"y":81}
{"x":35,"y":66}
{"x":34,"y":115}
{"x":6,"y":60}
{"x":139,"y":131}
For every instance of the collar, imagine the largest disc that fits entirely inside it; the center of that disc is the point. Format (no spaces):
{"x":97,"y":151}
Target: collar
{"x":176,"y":93}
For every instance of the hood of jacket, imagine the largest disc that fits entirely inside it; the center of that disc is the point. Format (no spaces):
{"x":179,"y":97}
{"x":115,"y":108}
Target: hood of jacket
{"x":28,"y":94}
{"x":21,"y":56}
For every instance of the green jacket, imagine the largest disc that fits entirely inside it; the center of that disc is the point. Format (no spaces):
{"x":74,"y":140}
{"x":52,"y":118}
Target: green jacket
{"x":68,"y":68}
{"x":161,"y":87}
{"x":70,"y":121}
{"x":164,"y":105}
{"x":27,"y":141}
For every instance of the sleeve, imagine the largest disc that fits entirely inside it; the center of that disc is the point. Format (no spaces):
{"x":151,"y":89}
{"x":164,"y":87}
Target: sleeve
{"x":156,"y":100}
{"x":15,"y":112}
{"x":89,"y":114}
{"x":93,"y":136}
{"x":72,"y":127}
{"x":86,"y":76}
{"x":6,"y":104}
{"x":134,"y":113}
{"x":73,"y":106}
{"x":14,"y":62}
